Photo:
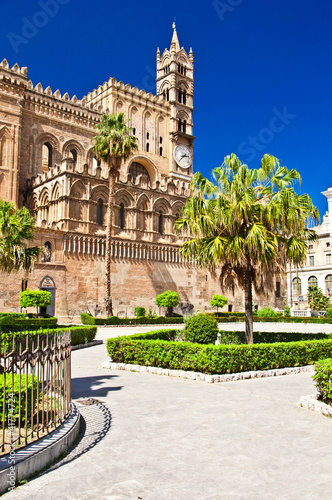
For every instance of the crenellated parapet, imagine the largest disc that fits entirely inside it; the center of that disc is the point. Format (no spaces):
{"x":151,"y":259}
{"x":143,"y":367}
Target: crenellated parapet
{"x":100,"y":94}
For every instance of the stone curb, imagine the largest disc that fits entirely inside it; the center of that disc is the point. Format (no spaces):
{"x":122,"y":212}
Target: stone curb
{"x":210,"y":379}
{"x":312,"y":403}
{"x":89,"y":344}
{"x":35,"y":457}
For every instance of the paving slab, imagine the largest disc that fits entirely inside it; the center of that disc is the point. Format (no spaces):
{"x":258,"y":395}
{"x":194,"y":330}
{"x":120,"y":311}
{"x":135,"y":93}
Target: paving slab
{"x":186,"y":440}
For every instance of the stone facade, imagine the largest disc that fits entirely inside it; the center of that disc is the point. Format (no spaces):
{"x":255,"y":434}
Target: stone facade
{"x":47,"y":164}
{"x":317,"y":268}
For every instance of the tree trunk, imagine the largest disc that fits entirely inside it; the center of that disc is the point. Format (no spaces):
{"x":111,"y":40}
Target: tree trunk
{"x":108,"y":293}
{"x":248,"y":307}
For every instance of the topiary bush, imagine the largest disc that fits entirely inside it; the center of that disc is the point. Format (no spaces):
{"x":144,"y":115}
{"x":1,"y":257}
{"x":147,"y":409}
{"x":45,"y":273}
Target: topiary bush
{"x":329,"y":312}
{"x":323,"y":379}
{"x":139,"y":312}
{"x":201,"y":329}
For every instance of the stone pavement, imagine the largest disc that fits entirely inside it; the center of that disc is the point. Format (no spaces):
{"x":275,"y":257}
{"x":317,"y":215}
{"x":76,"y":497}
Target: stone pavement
{"x":175,"y":439}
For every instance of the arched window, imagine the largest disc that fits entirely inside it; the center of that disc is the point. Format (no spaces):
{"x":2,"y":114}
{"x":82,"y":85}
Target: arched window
{"x":47,"y":153}
{"x":47,"y":253}
{"x":328,"y":284}
{"x":121,"y":216}
{"x":160,"y":222}
{"x":3,"y":151}
{"x":100,"y":212}
{"x":73,"y":153}
{"x":297,"y":286}
{"x":312,"y":281}
{"x":182,"y":124}
{"x":137,"y":169}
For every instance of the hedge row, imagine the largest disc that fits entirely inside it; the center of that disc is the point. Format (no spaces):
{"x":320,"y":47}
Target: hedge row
{"x":79,"y":335}
{"x":323,"y":379}
{"x":87,"y":319}
{"x":216,"y":359}
{"x":10,"y":324}
{"x":271,"y":337}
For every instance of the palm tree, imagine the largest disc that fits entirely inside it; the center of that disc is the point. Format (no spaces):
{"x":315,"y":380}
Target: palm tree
{"x":247,"y":224}
{"x":113,"y":144}
{"x":17,"y":228}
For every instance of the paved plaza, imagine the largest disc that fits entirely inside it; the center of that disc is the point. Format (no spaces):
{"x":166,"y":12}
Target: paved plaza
{"x":161,"y":438}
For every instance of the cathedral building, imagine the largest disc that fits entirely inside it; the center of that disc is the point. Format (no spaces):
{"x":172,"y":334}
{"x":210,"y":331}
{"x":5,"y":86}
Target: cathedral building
{"x":47,"y":164}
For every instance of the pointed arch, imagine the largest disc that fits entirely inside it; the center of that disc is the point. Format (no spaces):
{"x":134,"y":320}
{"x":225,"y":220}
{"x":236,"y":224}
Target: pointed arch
{"x":78,"y":189}
{"x":56,"y":191}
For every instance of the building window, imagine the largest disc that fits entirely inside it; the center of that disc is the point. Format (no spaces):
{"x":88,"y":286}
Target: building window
{"x":134,"y":131}
{"x":73,"y":153}
{"x":310,"y":247}
{"x":278,"y":289}
{"x":328,"y":284}
{"x":297,"y":286}
{"x":47,"y":154}
{"x":100,"y":212}
{"x":312,"y":281}
{"x":121,"y":216}
{"x":182,"y":97}
{"x":47,"y":252}
{"x":24,"y":284}
{"x":147,"y":147}
{"x":328,"y":258}
{"x":182,"y":124}
{"x":328,"y":244}
{"x":160,"y":151}
{"x":160,"y":222}
{"x":147,"y":136}
{"x":311,"y":260}
{"x":166,"y":94}
{"x":137,"y":169}
{"x":160,"y":140}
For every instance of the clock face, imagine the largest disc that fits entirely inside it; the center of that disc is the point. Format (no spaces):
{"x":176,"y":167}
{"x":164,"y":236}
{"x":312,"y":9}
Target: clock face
{"x":182,"y":156}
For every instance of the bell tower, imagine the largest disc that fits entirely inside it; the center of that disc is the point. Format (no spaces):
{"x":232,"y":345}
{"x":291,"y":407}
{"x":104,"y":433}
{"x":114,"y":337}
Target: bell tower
{"x":175,"y":82}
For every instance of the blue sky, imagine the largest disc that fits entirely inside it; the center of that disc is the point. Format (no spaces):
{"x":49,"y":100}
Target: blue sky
{"x":263,"y":69}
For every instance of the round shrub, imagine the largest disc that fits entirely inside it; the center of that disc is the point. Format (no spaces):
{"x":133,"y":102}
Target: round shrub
{"x":201,"y":329}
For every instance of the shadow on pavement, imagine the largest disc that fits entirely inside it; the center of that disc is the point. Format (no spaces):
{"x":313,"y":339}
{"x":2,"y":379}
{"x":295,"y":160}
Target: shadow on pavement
{"x":85,"y":387}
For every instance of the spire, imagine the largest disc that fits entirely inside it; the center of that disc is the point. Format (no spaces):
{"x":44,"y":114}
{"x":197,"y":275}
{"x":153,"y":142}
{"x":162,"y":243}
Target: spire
{"x":175,"y":41}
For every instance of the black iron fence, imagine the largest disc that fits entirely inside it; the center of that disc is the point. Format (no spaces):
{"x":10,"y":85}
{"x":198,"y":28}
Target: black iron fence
{"x":35,"y":386}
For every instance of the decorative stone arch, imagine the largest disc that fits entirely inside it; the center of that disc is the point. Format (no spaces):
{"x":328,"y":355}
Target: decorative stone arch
{"x":56,"y":190}
{"x":98,"y":205}
{"x":147,"y":163}
{"x":5,"y":146}
{"x":73,"y":149}
{"x":78,"y":189}
{"x":182,"y":59}
{"x":123,"y":196}
{"x":182,"y":84}
{"x":44,"y":196}
{"x":53,"y":145}
{"x":93,"y":161}
{"x":142,"y":217}
{"x":118,"y":106}
{"x":99,"y":191}
{"x":162,"y":204}
{"x":47,"y":283}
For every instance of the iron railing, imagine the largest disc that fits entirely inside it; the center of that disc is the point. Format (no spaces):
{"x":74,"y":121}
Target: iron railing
{"x":35,"y":386}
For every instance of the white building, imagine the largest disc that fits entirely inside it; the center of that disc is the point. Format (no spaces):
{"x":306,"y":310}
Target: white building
{"x":317,"y":270}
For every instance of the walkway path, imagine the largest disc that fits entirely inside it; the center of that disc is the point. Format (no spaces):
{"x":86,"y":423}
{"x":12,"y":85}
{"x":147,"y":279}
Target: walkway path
{"x":175,"y":439}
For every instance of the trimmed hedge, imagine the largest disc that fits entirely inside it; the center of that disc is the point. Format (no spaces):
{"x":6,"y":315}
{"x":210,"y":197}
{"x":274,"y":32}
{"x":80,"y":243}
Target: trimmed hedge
{"x":87,"y":319}
{"x":12,"y":403}
{"x":271,"y":337}
{"x":79,"y":335}
{"x":323,"y":379}
{"x":10,"y":324}
{"x":215,"y":359}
